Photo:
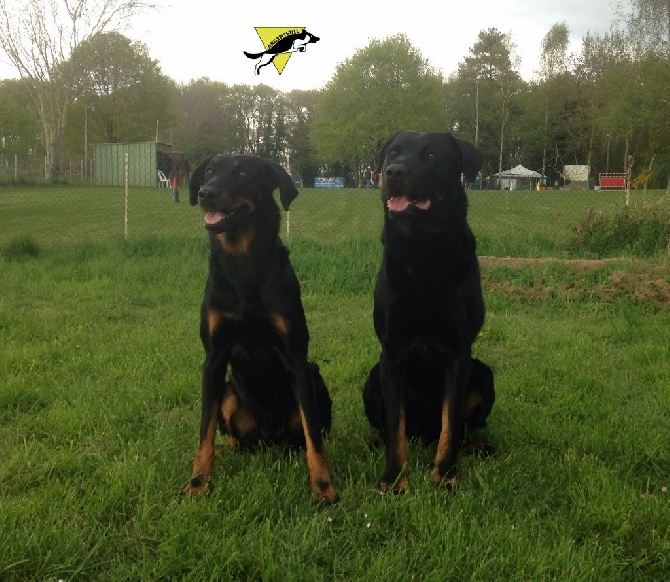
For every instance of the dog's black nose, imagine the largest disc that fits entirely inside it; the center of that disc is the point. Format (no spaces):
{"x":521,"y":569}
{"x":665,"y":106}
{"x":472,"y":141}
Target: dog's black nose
{"x":396,"y":171}
{"x":206,"y":192}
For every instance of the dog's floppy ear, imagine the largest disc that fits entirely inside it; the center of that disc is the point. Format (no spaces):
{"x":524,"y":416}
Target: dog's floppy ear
{"x":197,"y":180}
{"x":381,"y":152}
{"x":473,"y":159}
{"x":279,"y":178}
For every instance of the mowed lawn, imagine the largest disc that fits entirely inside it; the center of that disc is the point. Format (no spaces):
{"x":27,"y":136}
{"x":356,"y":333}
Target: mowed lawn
{"x":99,"y":404}
{"x":517,"y":223}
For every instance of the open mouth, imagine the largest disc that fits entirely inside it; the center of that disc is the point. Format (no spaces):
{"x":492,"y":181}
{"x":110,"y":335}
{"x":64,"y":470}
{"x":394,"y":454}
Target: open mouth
{"x":403,"y":203}
{"x":219,"y":220}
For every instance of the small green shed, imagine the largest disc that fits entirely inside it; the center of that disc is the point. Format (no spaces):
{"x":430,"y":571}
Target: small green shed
{"x":144,"y":160}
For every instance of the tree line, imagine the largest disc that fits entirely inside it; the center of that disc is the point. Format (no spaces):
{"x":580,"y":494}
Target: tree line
{"x":603,"y":107}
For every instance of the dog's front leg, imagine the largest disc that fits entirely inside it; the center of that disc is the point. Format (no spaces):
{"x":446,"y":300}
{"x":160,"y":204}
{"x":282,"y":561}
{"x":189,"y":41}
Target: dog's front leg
{"x":395,"y":471}
{"x":451,"y":434}
{"x":213,"y":384}
{"x":317,"y":463}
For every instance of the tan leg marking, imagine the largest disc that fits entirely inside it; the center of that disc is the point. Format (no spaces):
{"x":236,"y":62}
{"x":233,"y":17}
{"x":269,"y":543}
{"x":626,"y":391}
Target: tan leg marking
{"x":319,"y":473}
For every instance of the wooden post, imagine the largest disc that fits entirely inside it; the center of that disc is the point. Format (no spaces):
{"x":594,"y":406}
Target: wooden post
{"x":125,"y":214}
{"x":629,"y":168}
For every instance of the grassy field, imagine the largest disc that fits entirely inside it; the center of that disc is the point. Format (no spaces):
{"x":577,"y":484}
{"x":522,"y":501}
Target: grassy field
{"x":99,"y":404}
{"x":519,"y":223}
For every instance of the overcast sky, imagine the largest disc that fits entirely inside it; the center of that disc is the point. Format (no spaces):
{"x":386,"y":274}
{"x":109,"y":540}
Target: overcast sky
{"x":206,"y":38}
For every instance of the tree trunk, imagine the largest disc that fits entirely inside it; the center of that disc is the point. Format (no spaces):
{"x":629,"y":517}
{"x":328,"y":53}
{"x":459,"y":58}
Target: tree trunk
{"x":502,"y":136}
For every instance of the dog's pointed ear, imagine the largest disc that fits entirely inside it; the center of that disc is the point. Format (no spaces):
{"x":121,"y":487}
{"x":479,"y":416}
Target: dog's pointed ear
{"x":473,"y":159}
{"x":197,"y":180}
{"x":381,"y":152}
{"x":279,"y":178}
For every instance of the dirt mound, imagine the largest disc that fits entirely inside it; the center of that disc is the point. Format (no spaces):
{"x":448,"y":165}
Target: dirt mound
{"x":637,"y":280}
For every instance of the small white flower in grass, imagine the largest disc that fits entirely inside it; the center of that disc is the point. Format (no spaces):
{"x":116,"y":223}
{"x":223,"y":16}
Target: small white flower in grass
{"x":664,"y":489}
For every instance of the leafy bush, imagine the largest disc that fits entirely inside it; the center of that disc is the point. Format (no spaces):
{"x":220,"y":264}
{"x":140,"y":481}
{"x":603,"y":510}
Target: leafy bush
{"x":641,"y":231}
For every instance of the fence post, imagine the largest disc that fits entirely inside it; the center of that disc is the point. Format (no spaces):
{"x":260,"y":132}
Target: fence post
{"x":629,"y":167}
{"x":125,"y":179}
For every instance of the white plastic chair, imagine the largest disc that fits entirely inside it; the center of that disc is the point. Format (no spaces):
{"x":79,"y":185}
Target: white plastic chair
{"x":163,"y":181}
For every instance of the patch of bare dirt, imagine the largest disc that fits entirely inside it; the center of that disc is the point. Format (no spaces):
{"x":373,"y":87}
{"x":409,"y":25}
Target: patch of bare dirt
{"x":637,"y":280}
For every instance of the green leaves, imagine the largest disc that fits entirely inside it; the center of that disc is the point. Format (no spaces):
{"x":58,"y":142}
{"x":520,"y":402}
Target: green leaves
{"x":384,"y":87}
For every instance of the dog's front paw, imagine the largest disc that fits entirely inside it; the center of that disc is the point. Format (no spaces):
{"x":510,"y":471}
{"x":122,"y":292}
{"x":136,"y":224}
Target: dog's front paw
{"x":450,"y":480}
{"x":324,"y":492}
{"x":393,"y":485}
{"x":198,"y":486}
{"x":480,"y":449}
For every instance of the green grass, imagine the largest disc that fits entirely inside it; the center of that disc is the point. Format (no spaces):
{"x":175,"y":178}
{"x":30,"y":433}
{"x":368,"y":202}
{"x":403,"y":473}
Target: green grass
{"x":99,"y":407}
{"x":520,"y":223}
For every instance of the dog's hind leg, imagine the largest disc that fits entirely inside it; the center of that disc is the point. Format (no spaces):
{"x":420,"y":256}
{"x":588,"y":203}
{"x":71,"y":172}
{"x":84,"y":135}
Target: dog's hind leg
{"x":263,"y":62}
{"x":478,"y":404}
{"x":237,"y":422}
{"x":373,"y":400}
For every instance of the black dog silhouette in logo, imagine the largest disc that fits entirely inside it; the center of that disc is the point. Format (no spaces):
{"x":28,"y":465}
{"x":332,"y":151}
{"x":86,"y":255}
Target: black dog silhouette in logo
{"x":293,"y":43}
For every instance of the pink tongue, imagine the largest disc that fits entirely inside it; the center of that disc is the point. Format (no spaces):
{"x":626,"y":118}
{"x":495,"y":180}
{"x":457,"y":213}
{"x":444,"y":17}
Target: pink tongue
{"x":213,"y":217}
{"x":401,"y":203}
{"x":398,"y":203}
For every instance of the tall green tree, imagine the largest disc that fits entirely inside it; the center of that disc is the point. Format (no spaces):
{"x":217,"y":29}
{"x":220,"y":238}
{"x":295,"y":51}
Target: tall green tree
{"x":202,"y":126}
{"x":553,"y":65}
{"x":38,"y":39}
{"x":125,"y":96}
{"x":648,"y":25}
{"x":19,"y":123}
{"x":303,"y":161}
{"x":602,"y":70}
{"x":648,"y":35}
{"x":383,"y":87}
{"x":483,"y":98}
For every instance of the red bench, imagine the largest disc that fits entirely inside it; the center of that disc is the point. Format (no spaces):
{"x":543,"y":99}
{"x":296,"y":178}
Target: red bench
{"x":613,"y":181}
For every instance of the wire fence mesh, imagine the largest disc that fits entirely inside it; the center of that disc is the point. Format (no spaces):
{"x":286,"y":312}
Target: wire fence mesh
{"x":506,"y":222}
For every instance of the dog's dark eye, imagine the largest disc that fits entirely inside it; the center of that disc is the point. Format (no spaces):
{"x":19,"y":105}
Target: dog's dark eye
{"x":209,"y":171}
{"x":242,"y":174}
{"x":431,"y":155}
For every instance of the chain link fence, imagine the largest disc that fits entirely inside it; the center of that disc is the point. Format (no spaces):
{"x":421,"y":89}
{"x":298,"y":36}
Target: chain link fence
{"x":523,"y":223}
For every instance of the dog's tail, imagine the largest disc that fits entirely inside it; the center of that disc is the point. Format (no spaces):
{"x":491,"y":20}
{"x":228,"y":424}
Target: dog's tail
{"x":253,"y":55}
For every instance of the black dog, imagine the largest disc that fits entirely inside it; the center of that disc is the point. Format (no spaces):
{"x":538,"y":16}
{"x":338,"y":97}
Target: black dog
{"x":252,"y":318}
{"x":428,"y":306}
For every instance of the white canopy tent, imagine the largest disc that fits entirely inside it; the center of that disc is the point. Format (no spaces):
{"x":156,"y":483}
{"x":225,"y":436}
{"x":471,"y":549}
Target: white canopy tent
{"x":510,"y":179}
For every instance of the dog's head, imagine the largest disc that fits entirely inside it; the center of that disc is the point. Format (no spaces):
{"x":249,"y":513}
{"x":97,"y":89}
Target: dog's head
{"x":311,"y":37}
{"x":420,"y":170}
{"x":231,"y":187}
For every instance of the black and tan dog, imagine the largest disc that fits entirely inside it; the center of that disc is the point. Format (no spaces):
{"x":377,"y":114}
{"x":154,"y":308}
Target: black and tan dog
{"x":252,"y":321}
{"x":428,"y":306}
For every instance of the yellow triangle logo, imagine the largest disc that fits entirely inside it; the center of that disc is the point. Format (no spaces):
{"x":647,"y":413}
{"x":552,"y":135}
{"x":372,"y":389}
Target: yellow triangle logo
{"x":271,"y":35}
